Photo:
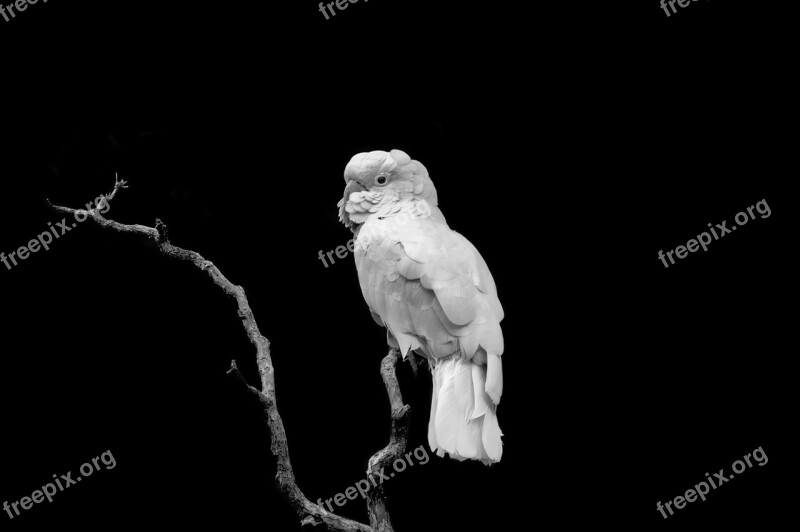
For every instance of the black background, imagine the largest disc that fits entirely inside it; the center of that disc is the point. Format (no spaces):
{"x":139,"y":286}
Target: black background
{"x":719,"y":365}
{"x":568,"y":144}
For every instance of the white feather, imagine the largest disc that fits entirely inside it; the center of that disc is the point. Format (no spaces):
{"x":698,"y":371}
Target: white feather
{"x":494,"y":378}
{"x":447,"y":408}
{"x":491,"y":436}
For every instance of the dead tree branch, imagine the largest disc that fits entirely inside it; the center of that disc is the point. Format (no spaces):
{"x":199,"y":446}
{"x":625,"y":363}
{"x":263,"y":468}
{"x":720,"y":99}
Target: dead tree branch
{"x":376,"y":502}
{"x":307,"y":511}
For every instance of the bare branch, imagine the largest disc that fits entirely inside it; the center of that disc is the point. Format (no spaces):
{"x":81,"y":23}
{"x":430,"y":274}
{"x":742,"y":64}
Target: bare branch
{"x":308,"y":512}
{"x":376,"y":502}
{"x":412,"y":359}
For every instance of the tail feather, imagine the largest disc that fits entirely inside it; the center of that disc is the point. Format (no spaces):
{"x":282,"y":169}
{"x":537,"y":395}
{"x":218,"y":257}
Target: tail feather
{"x":470,"y":443}
{"x":491,"y":436}
{"x":478,"y":380}
{"x":494,"y":377}
{"x":463,"y":415}
{"x":437,"y":384}
{"x":462,"y":380}
{"x":469,"y":434}
{"x":448,"y":420}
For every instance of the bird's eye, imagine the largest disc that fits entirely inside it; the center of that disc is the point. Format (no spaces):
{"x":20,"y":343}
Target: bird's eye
{"x":381,"y":180}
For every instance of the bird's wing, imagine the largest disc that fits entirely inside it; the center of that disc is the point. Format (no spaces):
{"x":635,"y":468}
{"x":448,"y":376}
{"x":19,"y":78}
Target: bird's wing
{"x":430,"y":287}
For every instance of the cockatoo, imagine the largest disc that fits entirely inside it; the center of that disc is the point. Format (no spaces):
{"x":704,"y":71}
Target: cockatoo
{"x":432,"y":291}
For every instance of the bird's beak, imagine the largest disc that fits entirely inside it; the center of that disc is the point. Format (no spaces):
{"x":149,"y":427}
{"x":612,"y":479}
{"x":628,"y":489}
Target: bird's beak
{"x":352,"y":186}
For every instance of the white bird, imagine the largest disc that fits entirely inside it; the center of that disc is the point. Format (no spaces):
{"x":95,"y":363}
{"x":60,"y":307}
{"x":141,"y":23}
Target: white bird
{"x":433,"y":292}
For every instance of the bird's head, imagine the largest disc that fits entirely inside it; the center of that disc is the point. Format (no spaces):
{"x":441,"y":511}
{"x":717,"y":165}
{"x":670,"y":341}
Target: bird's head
{"x":378,"y":179}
